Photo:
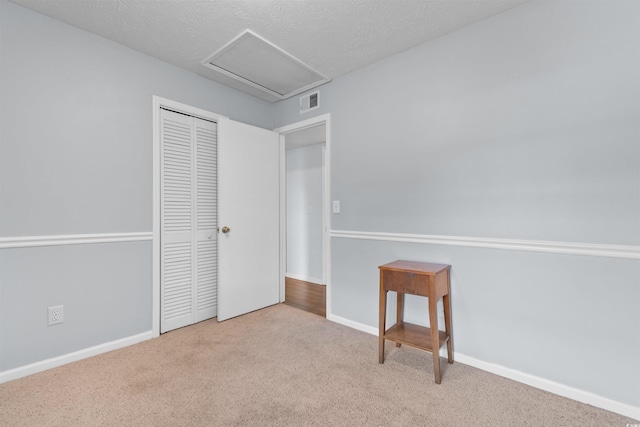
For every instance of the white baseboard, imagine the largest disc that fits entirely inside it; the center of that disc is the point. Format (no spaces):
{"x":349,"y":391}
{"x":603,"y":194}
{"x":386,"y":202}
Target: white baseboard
{"x":355,"y":325}
{"x":304,"y":278}
{"x":23,"y":371}
{"x":552,"y":387}
{"x":521,"y":377}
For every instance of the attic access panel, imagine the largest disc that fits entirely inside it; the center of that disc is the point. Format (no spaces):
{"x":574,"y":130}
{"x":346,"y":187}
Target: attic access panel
{"x":254,"y":61}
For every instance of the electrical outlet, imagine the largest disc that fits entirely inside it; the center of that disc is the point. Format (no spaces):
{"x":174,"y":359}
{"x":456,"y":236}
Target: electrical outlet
{"x":56,"y":315}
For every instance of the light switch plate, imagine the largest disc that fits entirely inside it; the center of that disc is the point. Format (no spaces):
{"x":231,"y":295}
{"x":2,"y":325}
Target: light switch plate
{"x":336,"y":206}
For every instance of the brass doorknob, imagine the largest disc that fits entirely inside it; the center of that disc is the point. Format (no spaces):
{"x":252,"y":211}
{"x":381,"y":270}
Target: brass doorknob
{"x":226,"y":229}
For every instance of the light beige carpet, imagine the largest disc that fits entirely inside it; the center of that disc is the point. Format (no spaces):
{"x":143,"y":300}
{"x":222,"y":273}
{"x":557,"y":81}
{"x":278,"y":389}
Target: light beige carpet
{"x":279,"y":367}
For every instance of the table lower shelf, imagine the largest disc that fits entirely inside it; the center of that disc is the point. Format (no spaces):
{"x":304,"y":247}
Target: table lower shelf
{"x":414,"y":336}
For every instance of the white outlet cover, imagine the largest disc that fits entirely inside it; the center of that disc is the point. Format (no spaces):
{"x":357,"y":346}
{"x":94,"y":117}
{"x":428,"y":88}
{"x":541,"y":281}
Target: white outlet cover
{"x":56,"y":315}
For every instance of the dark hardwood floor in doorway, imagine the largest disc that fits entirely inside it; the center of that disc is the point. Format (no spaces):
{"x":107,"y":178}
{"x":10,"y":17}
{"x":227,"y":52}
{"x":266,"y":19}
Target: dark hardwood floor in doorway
{"x":306,"y":296}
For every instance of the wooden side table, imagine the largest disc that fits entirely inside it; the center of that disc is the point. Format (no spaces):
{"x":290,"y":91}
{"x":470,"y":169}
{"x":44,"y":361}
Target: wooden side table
{"x":423,"y":279}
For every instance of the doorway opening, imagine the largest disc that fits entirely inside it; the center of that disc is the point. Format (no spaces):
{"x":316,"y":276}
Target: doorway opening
{"x":305,"y":223}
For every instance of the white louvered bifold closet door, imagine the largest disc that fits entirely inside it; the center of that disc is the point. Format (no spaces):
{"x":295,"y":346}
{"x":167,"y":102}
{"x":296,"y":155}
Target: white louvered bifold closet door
{"x":188,"y":220}
{"x":206,"y":219}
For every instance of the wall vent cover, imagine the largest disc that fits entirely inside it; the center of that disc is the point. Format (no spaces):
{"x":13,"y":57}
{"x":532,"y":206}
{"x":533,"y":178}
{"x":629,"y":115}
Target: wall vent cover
{"x":259,"y":63}
{"x":309,"y":102}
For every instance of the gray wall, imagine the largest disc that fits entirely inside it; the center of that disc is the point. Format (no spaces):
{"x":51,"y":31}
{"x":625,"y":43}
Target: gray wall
{"x":77,"y":126}
{"x":523,"y":126}
{"x":304,"y":212}
{"x":76,"y":158}
{"x":105,"y":290}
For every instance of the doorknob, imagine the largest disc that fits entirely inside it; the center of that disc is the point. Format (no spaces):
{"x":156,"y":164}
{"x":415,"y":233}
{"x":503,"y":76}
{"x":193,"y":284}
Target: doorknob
{"x":225,"y":229}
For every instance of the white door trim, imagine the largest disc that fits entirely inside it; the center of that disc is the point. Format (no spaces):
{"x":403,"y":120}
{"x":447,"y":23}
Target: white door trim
{"x":326,"y":217}
{"x":159,"y":103}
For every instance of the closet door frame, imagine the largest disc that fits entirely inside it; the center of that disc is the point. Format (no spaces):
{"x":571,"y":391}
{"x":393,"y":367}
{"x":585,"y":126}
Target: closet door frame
{"x":158,"y":104}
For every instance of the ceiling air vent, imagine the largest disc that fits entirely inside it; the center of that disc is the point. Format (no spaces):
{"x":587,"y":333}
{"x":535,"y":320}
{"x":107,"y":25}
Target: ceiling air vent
{"x":309,"y":102}
{"x":260,"y":64}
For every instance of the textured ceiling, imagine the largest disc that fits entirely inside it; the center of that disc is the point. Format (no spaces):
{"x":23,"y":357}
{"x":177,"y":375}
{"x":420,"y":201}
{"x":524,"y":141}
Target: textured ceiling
{"x":332,"y":36}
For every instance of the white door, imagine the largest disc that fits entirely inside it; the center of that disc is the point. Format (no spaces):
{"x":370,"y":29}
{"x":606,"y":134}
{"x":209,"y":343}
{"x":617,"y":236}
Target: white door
{"x":188,"y":243}
{"x":248,"y":205}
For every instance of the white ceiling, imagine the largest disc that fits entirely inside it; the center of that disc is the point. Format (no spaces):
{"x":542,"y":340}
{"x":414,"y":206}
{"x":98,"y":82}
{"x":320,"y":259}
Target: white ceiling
{"x":333,"y":37}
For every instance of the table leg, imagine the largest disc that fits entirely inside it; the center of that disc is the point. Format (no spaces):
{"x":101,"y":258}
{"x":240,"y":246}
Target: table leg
{"x":399,"y":310}
{"x":435,"y":337}
{"x":382,"y":324}
{"x":446,"y":303}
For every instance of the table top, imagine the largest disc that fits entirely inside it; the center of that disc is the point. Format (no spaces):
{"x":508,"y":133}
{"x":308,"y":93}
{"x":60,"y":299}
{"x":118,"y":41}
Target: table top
{"x":415,"y":267}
